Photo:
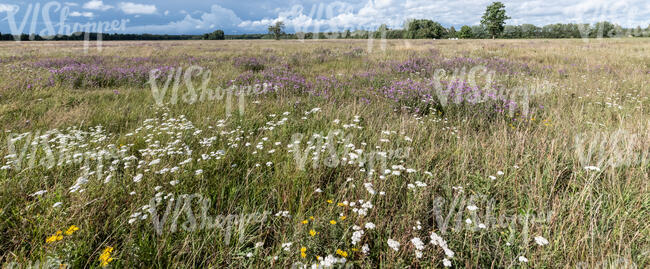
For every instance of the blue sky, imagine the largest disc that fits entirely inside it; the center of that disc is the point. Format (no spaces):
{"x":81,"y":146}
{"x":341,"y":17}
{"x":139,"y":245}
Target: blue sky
{"x":251,"y":16}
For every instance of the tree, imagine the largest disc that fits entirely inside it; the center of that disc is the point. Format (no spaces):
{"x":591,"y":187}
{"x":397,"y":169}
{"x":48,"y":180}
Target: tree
{"x":277,"y":30}
{"x":465,"y":32}
{"x":452,"y":32}
{"x":424,"y":29}
{"x":216,"y":35}
{"x":494,"y":18}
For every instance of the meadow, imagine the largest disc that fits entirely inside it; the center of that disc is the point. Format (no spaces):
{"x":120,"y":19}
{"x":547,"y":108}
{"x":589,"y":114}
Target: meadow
{"x":326,"y":154}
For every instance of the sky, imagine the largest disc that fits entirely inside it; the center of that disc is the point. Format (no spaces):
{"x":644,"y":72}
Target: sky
{"x":253,"y":16}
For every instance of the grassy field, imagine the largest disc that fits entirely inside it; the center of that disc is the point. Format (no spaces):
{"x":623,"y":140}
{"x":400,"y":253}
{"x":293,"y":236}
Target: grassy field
{"x":419,"y":153}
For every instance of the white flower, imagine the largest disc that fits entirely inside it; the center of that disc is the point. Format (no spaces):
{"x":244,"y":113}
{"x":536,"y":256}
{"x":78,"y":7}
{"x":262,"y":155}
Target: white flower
{"x":541,"y":240}
{"x":137,"y":178}
{"x":492,"y":177}
{"x":318,"y":190}
{"x":482,"y":226}
{"x":57,"y":204}
{"x":446,"y":263}
{"x":287,"y":246}
{"x":38,"y":193}
{"x":259,"y":244}
{"x":499,"y":173}
{"x":365,"y":249}
{"x":523,"y":259}
{"x":468,"y":221}
{"x":592,"y":168}
{"x":417,"y":242}
{"x":156,"y":161}
{"x":370,"y":225}
{"x":472,"y":207}
{"x":393,"y":244}
{"x":173,"y":182}
{"x":198,"y":172}
{"x":249,"y":254}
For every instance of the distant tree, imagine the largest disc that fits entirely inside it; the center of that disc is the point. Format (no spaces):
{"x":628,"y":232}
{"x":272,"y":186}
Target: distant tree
{"x":465,"y":32}
{"x":494,"y":18}
{"x":452,"y":32}
{"x":479,"y":32}
{"x":346,"y":34}
{"x":216,"y":35}
{"x":424,"y":29}
{"x":277,"y":30}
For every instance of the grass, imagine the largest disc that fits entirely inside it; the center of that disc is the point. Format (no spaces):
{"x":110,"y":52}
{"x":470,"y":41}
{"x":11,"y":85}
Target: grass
{"x":596,"y":99}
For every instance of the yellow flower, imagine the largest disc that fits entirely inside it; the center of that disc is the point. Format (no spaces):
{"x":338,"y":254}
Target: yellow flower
{"x":342,"y":217}
{"x":106,"y":258}
{"x":340,"y":204}
{"x":55,"y":237}
{"x":312,"y":232}
{"x":305,"y":221}
{"x":332,"y":222}
{"x":302,"y":252}
{"x":71,"y":230}
{"x":311,"y":218}
{"x":355,"y":249}
{"x":342,"y":253}
{"x":330,"y":201}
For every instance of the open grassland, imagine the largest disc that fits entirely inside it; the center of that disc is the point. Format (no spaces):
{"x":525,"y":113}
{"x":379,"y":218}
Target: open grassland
{"x":356,"y":155}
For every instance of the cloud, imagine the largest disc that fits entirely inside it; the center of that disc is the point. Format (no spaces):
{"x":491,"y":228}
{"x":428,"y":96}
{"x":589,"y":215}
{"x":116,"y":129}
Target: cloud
{"x":166,"y":12}
{"x":96,"y":5}
{"x":8,"y":8}
{"x":217,"y":18}
{"x":81,"y":14}
{"x":338,"y":16}
{"x":133,"y":8}
{"x":70,"y":4}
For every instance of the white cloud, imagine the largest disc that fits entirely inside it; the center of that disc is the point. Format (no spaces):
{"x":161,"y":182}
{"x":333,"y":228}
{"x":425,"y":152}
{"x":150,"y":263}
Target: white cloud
{"x":338,"y":16}
{"x":81,"y":14}
{"x":166,"y":12}
{"x":70,"y":4}
{"x":96,"y":5}
{"x":8,"y":8}
{"x":217,"y":18}
{"x":133,"y":8}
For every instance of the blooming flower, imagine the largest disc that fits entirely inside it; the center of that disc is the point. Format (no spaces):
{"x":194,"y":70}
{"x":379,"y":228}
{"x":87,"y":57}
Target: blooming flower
{"x":55,"y":237}
{"x":71,"y":230}
{"x":541,"y":240}
{"x":393,"y":244}
{"x":105,"y":258}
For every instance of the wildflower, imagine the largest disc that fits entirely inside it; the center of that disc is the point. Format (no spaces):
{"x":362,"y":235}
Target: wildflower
{"x":592,"y":168}
{"x":472,"y":207}
{"x":340,"y":204}
{"x":137,"y":178}
{"x":500,"y":173}
{"x":541,"y":240}
{"x":71,"y":230}
{"x":342,"y":253}
{"x":332,"y":222}
{"x":55,"y":237}
{"x":342,"y":217}
{"x":305,"y":221}
{"x":105,"y":257}
{"x":330,"y":201}
{"x":259,"y":244}
{"x":523,"y":259}
{"x":393,"y":244}
{"x":370,"y":225}
{"x":302,"y":252}
{"x":446,"y":262}
{"x":312,"y":232}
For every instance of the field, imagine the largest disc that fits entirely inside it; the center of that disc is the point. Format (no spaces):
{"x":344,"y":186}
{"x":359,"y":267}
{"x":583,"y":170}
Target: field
{"x":330,"y":153}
